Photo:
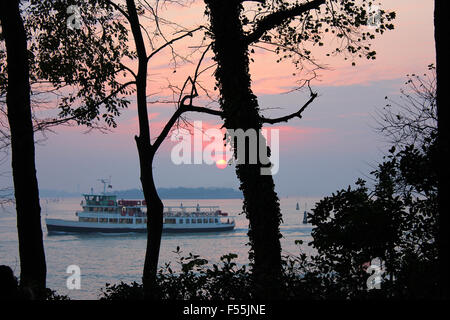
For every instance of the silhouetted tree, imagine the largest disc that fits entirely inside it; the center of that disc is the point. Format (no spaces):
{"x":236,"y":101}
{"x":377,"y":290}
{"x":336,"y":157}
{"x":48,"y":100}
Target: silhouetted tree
{"x":443,"y":116}
{"x":287,"y":26}
{"x":33,"y":268}
{"x":147,"y":151}
{"x":412,"y":119}
{"x":396,"y":220}
{"x":394,"y":223}
{"x":91,"y":58}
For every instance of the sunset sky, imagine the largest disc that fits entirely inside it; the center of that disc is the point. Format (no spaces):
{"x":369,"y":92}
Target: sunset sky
{"x":333,"y":145}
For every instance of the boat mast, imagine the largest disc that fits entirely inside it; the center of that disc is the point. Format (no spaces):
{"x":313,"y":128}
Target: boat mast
{"x":106,"y":182}
{"x":305,"y":216}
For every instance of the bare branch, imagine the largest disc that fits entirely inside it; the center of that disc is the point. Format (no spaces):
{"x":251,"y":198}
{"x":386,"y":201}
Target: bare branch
{"x":297,"y":114}
{"x":119,"y":8}
{"x":191,"y":108}
{"x":183,"y":107}
{"x":260,"y":1}
{"x":124,"y":67}
{"x":276,"y":18}
{"x":170,"y":42}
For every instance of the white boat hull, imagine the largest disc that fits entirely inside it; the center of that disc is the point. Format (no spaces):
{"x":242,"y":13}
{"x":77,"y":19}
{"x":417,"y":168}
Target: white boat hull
{"x":59,"y":225}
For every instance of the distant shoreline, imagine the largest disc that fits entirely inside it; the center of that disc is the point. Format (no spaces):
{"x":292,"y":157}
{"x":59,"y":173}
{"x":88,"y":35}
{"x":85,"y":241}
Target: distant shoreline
{"x":164,"y":193}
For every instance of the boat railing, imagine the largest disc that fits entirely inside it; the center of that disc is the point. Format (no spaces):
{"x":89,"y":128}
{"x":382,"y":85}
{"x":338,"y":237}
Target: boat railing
{"x":196,"y":208}
{"x":89,"y":214}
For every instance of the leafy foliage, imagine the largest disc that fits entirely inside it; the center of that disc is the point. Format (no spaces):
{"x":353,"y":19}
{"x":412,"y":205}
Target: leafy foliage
{"x":396,"y":222}
{"x":194,"y":281}
{"x":83,"y":64}
{"x":340,"y":26}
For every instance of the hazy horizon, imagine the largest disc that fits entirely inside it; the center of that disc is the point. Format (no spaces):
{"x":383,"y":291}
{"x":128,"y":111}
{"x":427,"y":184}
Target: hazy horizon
{"x":328,"y":149}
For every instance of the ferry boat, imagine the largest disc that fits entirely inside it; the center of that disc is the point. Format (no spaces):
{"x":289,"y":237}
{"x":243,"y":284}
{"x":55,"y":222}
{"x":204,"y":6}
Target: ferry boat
{"x":105,"y":214}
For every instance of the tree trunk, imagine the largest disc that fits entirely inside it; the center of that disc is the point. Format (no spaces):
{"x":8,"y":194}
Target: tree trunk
{"x":31,"y":248}
{"x":146,"y":154}
{"x":443,"y":145}
{"x":241,"y":111}
{"x":155,"y":209}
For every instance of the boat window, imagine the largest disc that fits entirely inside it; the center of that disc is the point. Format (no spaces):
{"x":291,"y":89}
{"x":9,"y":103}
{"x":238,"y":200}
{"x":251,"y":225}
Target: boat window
{"x":205,"y":220}
{"x":188,"y":221}
{"x":216,"y":220}
{"x":211,"y":220}
{"x":103,"y":220}
{"x":138,"y":221}
{"x":194,"y":221}
{"x":112,"y":220}
{"x":199,"y":220}
{"x":170,"y":221}
{"x":181,"y":220}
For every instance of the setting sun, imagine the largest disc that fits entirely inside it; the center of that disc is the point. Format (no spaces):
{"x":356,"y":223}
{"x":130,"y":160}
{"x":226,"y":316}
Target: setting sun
{"x":221,"y":164}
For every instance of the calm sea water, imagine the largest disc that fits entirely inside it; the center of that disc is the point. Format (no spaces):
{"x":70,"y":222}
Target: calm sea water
{"x":107,"y":258}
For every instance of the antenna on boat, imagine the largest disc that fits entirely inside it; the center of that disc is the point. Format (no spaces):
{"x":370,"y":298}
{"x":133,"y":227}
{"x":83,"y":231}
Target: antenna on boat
{"x":106,"y":183}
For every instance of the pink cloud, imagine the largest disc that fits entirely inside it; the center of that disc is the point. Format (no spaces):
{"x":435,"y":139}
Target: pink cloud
{"x":406,"y":49}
